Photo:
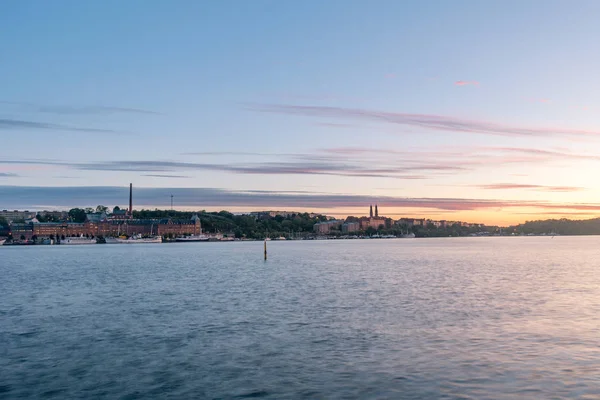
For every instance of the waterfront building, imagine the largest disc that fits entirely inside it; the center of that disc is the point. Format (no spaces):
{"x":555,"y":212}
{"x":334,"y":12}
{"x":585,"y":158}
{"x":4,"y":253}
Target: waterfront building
{"x":59,"y":229}
{"x":57,"y":215}
{"x":406,"y":221}
{"x":411,"y":222}
{"x":327,"y":226}
{"x":107,"y":228}
{"x":18,"y":230}
{"x":350,"y":227}
{"x":374,"y":220}
{"x":119,"y":215}
{"x":100,"y":224}
{"x":374,"y":223}
{"x":17,"y":215}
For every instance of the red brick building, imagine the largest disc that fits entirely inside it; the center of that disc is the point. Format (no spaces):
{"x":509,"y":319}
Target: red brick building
{"x":107,"y":228}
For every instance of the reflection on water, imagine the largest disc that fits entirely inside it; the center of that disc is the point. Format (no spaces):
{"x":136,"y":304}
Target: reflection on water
{"x":479,"y":318}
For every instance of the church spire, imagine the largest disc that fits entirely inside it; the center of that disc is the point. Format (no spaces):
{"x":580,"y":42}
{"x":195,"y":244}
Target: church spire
{"x":376,"y":212}
{"x":371,"y":211}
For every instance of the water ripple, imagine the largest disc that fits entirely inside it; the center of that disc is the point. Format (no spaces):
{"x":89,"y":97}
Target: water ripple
{"x":481,"y":318}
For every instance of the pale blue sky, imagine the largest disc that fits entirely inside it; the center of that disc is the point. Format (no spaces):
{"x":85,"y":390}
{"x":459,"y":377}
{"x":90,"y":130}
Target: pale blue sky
{"x":221,"y":76}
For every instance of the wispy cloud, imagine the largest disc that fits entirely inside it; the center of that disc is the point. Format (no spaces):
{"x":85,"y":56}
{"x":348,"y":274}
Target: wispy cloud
{"x":340,"y":161}
{"x":166,"y":176}
{"x":8,"y":175}
{"x":465,"y":83}
{"x":503,"y":186}
{"x":425,"y":121}
{"x":12,"y":124}
{"x":74,"y":110}
{"x":32,"y":197}
{"x":559,"y":213}
{"x":228,"y":153}
{"x":546,"y":154}
{"x":308,"y":166}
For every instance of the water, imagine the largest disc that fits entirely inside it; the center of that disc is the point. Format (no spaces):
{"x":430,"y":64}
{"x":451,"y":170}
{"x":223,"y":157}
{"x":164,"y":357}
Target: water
{"x":479,"y":318}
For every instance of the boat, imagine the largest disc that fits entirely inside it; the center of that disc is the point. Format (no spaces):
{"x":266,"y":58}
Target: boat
{"x":134,"y":239}
{"x":408,"y":235}
{"x":137,"y":238}
{"x":78,"y":240}
{"x":2,"y":241}
{"x":193,"y":238}
{"x":281,"y":238}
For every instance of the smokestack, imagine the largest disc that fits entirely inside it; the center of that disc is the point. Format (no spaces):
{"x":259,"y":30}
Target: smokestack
{"x":131,"y":199}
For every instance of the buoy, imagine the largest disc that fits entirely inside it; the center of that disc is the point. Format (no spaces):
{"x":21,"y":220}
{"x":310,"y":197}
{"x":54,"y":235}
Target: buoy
{"x":265,"y":249}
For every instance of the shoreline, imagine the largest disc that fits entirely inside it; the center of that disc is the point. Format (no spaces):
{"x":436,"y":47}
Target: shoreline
{"x":13,"y":244}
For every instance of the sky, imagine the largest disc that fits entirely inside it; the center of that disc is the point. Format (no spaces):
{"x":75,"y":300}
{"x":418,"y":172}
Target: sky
{"x":476,"y":111}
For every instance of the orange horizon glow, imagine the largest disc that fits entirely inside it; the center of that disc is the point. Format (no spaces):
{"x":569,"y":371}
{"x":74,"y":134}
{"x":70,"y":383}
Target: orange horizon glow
{"x":490,"y":218}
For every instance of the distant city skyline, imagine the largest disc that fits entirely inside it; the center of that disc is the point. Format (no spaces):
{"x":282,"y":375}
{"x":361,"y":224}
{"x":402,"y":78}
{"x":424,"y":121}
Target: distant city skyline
{"x":471,"y":111}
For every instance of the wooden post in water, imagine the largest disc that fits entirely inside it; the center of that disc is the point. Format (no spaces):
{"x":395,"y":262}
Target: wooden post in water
{"x":265,"y":249}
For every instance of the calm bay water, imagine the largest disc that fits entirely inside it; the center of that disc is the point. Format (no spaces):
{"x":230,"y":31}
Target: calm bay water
{"x":480,"y":318}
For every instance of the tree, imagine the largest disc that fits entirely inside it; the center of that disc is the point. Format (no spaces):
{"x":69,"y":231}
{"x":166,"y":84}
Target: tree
{"x":34,"y":238}
{"x":101,"y":209}
{"x":46,"y":218}
{"x":77,"y":215}
{"x":22,"y":237}
{"x":116,"y":208}
{"x":3,"y":222}
{"x":370,"y":231}
{"x":89,"y":210}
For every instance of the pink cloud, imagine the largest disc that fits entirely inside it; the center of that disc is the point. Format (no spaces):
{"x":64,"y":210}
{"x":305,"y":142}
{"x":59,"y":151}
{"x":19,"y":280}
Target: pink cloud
{"x":501,"y":186}
{"x":558,"y":213}
{"x":423,"y":121}
{"x":465,"y":83}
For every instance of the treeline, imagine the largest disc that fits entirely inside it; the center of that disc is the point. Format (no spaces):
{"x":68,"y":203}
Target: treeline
{"x":296,"y":225}
{"x":454,"y":230}
{"x":430,"y":230}
{"x":560,"y":226}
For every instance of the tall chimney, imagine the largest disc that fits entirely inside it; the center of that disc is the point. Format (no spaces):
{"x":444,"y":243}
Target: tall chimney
{"x":131,"y":199}
{"x":376,"y":211}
